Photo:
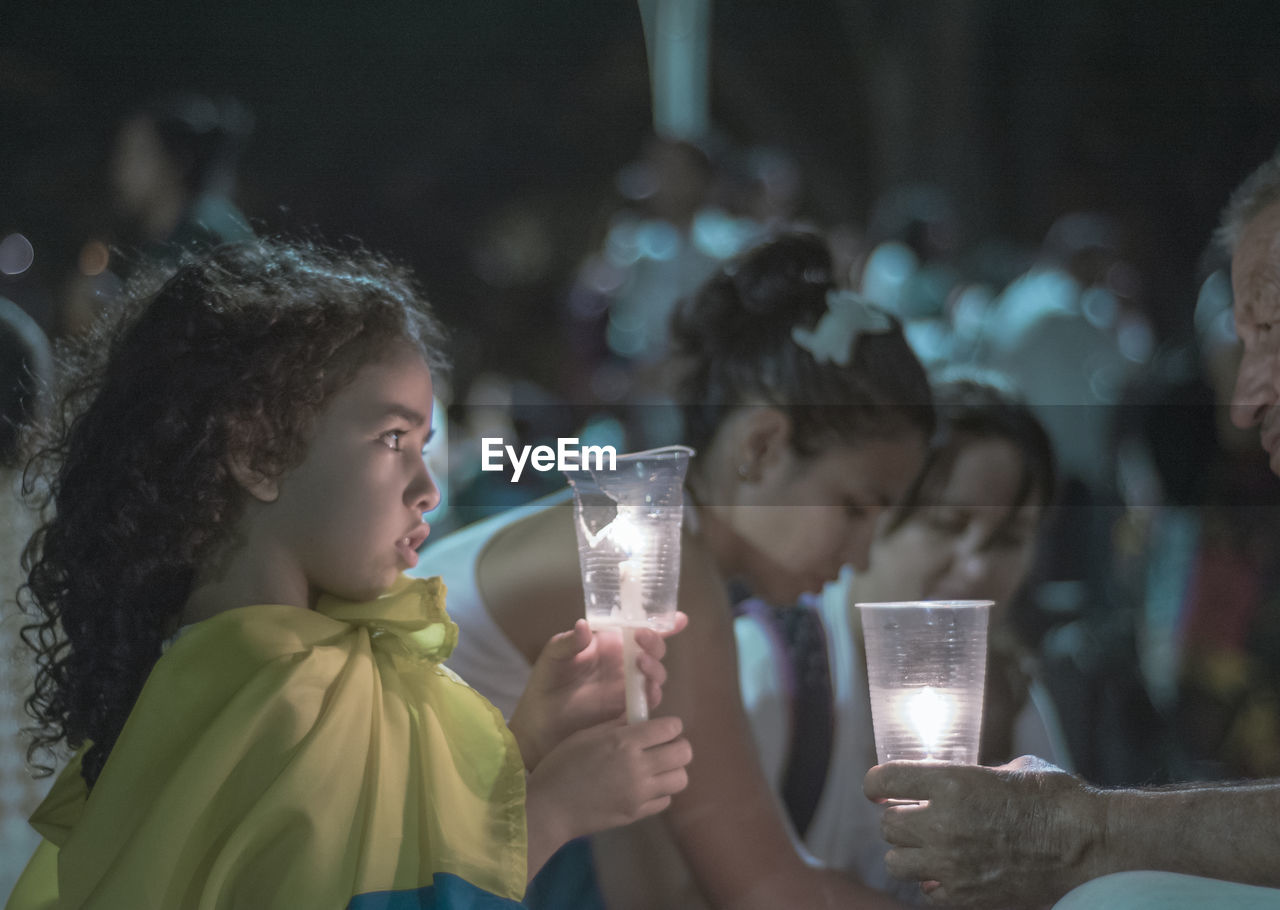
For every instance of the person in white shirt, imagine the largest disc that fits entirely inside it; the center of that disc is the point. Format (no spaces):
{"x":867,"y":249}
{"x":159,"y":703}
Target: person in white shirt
{"x":966,"y":530}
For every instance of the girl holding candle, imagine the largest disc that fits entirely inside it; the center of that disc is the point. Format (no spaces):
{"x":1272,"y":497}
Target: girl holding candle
{"x":255,"y":692}
{"x":965,"y":531}
{"x":810,"y":415}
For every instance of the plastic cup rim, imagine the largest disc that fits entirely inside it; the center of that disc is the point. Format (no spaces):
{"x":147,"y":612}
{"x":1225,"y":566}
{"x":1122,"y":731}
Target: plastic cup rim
{"x":659,"y":452}
{"x":932,"y":604}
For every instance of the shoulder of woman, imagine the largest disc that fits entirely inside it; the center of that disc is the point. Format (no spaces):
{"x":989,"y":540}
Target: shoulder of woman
{"x":529,"y":579}
{"x":702,"y":587}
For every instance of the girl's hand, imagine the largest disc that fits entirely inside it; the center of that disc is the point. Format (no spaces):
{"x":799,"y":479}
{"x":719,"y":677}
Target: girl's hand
{"x":578,"y":682}
{"x":603,"y":777}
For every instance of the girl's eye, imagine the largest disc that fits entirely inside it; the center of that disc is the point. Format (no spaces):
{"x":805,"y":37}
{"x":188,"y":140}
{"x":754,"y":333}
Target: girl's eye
{"x":391,"y":439}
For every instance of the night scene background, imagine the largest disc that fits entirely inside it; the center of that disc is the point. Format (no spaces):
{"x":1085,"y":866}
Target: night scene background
{"x":505,"y":150}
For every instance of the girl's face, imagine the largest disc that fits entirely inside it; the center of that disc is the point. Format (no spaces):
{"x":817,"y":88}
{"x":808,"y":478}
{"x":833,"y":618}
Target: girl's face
{"x":348,"y":519}
{"x":807,"y":517}
{"x":967,"y":546}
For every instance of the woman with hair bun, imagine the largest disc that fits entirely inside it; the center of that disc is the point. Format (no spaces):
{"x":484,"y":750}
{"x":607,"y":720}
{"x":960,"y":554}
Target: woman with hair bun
{"x":810,"y":417}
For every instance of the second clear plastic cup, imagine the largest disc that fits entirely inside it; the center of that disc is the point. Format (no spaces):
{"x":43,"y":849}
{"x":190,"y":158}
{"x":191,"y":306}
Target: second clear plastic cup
{"x":926,"y":670}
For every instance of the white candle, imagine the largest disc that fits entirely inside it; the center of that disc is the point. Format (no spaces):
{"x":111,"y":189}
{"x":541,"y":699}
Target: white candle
{"x":631,"y":604}
{"x":631,"y":592}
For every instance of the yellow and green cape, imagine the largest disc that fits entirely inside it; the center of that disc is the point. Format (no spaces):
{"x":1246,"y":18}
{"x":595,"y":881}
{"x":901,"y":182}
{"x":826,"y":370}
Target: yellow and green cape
{"x":281,"y":757}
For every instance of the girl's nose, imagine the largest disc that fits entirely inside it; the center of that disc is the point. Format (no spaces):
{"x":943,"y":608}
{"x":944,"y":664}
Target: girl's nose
{"x":858,"y":552}
{"x":971,"y":568}
{"x":423,"y":493}
{"x":969,"y":562}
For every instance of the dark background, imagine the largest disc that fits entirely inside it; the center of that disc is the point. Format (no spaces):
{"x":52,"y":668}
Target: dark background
{"x":444,"y":134}
{"x":424,"y":128}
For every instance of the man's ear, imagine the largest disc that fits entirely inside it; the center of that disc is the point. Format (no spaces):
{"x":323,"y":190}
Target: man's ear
{"x":262,"y":487}
{"x":765,"y":442}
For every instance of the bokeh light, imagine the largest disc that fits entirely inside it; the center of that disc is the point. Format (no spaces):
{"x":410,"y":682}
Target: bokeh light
{"x":16,"y":254}
{"x":94,"y":257}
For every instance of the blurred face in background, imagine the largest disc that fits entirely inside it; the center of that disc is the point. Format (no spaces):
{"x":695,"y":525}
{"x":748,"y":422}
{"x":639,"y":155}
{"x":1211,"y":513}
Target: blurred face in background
{"x":970,"y":540}
{"x":802,"y":518}
{"x":140,"y":170}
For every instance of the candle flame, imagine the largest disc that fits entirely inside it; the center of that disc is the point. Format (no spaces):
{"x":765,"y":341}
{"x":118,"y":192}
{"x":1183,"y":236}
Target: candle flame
{"x":625,"y":532}
{"x":929,"y":712}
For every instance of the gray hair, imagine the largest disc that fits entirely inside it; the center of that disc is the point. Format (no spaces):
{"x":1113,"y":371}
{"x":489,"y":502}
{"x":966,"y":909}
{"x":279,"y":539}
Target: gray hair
{"x":1259,"y":190}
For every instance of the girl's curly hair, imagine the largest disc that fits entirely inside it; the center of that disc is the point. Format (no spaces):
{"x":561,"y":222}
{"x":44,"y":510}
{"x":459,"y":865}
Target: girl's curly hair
{"x":236,"y":351}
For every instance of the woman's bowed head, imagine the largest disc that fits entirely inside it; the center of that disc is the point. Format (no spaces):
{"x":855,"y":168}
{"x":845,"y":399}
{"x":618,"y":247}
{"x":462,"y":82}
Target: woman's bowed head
{"x":810,"y":416}
{"x":249,"y":431}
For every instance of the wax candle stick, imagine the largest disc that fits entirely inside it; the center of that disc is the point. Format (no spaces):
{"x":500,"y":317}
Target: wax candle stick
{"x":631,"y":601}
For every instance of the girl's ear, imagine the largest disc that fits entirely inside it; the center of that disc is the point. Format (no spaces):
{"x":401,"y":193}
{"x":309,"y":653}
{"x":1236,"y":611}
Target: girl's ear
{"x":262,"y":487}
{"x":765,"y":442}
{"x":243,"y":435}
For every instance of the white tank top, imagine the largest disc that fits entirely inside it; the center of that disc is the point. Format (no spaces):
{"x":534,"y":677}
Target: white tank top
{"x":484,"y":657}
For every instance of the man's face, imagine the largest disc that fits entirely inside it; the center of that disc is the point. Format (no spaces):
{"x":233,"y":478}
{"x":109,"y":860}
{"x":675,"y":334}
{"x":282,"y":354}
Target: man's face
{"x":1255,"y":283}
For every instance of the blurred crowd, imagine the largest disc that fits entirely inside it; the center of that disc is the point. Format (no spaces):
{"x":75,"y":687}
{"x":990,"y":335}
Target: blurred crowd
{"x":1153,"y":603}
{"x":170,"y":174}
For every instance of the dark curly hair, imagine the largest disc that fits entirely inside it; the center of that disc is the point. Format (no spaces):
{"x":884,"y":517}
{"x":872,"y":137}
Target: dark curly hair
{"x":237,"y":351}
{"x":733,"y":345}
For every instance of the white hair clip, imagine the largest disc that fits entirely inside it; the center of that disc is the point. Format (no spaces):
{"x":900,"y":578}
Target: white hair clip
{"x":848,"y":315}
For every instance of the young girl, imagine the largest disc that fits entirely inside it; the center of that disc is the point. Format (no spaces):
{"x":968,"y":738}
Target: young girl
{"x":810,"y":415}
{"x":965,"y":531}
{"x":224,"y":633}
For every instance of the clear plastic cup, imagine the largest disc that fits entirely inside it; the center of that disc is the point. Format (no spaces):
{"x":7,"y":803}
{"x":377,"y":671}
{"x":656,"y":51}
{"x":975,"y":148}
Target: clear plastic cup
{"x":628,"y":523}
{"x":926,"y":670}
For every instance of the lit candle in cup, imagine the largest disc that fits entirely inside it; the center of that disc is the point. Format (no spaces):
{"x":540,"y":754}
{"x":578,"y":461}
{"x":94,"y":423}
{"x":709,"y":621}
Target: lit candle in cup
{"x":926,"y":670}
{"x":627,"y":520}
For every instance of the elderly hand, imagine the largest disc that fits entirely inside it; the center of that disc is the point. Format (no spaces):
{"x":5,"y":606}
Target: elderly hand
{"x":578,"y":682}
{"x":1020,"y":835}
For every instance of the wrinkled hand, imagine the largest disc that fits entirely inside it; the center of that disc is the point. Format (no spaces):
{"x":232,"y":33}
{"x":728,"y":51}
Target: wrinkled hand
{"x":1020,"y":835}
{"x":578,"y":682}
{"x":606,"y":776}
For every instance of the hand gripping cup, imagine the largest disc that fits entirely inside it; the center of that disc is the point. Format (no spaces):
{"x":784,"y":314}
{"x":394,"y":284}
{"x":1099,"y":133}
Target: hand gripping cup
{"x":628,"y":520}
{"x":926,"y":669}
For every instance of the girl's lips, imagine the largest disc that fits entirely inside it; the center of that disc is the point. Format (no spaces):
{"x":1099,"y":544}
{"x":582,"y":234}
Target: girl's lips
{"x":418,"y":536}
{"x":407,"y":552}
{"x":409,"y":544}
